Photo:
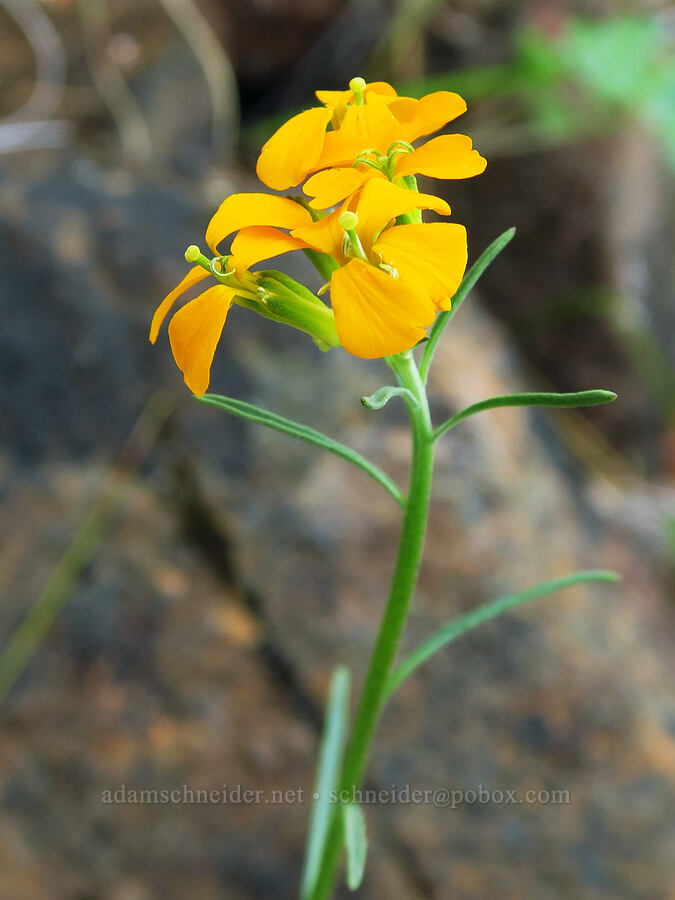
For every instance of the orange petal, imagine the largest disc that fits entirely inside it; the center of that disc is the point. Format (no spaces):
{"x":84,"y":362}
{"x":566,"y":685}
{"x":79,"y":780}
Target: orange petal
{"x":331,"y":186}
{"x":325,"y":235}
{"x":362,"y":128}
{"x":244,"y":210}
{"x":427,"y":115}
{"x":193,"y":276}
{"x":293,"y":149}
{"x":379,"y":89}
{"x":446,"y":156}
{"x":335,"y":99}
{"x":259,"y":242}
{"x":375,"y":314}
{"x":381,"y":200}
{"x":194,"y":333}
{"x":430,"y":257}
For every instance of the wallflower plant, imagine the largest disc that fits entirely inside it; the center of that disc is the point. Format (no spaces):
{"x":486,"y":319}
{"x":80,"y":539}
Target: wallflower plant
{"x":394,"y":281}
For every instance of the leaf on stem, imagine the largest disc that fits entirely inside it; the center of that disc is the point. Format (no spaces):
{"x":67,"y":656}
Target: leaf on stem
{"x":469,"y":280}
{"x":580,"y":398}
{"x":382,"y":396}
{"x":327,"y":778}
{"x":454,"y":629}
{"x":356,"y":844}
{"x":304,"y":433}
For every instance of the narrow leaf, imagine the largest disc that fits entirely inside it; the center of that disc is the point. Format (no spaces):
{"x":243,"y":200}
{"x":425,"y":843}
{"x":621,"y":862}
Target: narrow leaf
{"x":304,"y":433}
{"x":356,"y":844}
{"x":327,"y":778}
{"x":454,"y":629}
{"x":469,"y":280}
{"x":382,"y":396}
{"x":581,"y":398}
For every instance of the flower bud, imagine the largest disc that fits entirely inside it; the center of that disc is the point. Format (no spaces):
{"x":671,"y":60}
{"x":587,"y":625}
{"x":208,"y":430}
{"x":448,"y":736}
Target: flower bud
{"x":295,"y":305}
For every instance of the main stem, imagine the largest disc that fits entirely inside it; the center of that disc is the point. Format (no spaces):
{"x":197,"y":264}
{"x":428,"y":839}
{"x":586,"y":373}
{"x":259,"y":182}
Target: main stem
{"x":403,"y":585}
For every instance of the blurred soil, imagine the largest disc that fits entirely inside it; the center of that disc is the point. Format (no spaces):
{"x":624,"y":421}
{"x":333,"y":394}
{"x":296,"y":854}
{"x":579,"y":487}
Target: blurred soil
{"x":240,"y":568}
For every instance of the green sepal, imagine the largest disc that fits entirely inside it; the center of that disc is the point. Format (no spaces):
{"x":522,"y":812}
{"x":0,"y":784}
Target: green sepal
{"x":271,"y":280}
{"x":295,"y":305}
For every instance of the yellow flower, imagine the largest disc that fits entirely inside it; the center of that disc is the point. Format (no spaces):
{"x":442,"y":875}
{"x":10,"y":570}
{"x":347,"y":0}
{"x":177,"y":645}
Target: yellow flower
{"x":388,"y":272}
{"x":448,"y":156}
{"x":194,"y":331}
{"x":391,"y":280}
{"x":372,"y":118}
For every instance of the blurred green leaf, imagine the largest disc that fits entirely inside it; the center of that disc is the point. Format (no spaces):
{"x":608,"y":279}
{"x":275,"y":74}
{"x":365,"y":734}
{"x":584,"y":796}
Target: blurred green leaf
{"x":580,"y":398}
{"x":303,"y":433}
{"x":327,"y":777}
{"x":356,"y":844}
{"x":382,"y":396}
{"x":458,"y":627}
{"x":469,"y":280}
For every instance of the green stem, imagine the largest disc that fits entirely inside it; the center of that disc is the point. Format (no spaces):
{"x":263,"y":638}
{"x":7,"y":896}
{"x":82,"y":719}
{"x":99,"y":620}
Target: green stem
{"x":403,"y":584}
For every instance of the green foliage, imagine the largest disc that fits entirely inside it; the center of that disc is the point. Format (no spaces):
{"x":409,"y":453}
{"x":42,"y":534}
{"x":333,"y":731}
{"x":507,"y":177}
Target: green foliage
{"x":356,"y":844}
{"x":580,"y":398}
{"x":382,"y":396}
{"x":452,"y":630}
{"x":303,"y":433}
{"x":327,"y":778}
{"x":469,"y":280}
{"x":582,"y":81}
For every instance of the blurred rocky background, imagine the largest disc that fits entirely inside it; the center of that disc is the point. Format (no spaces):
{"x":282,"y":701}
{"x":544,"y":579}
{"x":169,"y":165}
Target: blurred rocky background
{"x":177,"y":586}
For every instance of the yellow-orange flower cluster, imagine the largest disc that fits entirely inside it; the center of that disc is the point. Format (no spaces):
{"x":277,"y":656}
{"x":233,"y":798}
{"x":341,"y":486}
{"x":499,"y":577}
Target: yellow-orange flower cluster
{"x":388,"y":272}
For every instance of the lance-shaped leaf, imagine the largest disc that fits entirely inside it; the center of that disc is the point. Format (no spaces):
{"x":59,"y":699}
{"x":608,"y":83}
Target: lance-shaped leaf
{"x":384,"y":394}
{"x":304,"y":433}
{"x":469,"y":280}
{"x":456,"y":628}
{"x":327,"y":778}
{"x":580,"y":398}
{"x":356,"y":844}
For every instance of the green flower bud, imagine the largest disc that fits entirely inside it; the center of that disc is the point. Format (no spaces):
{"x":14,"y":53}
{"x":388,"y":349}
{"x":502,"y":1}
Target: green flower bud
{"x":293,"y":304}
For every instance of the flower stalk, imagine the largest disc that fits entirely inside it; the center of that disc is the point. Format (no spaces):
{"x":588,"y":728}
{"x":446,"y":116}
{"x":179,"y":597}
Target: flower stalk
{"x":404,"y":581}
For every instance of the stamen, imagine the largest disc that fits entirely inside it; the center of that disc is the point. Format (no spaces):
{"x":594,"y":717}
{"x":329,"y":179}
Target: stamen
{"x":218,"y":266}
{"x":401,"y":146}
{"x":397,"y":149}
{"x":351,"y":245}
